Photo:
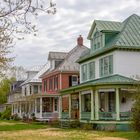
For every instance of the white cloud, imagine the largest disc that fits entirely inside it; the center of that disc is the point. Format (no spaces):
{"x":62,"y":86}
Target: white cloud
{"x":59,"y":32}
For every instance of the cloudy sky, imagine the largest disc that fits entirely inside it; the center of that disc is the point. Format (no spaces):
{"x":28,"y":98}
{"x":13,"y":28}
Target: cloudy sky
{"x":59,"y":32}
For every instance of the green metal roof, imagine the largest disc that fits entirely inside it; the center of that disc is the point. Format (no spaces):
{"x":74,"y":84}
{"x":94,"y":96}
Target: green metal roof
{"x":110,"y":80}
{"x":130,"y":33}
{"x":108,"y":25}
{"x":128,"y":36}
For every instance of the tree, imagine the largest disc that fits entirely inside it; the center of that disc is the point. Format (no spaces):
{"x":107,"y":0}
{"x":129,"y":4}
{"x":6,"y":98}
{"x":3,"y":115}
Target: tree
{"x":5,"y":89}
{"x":136,"y":110}
{"x":15,"y":20}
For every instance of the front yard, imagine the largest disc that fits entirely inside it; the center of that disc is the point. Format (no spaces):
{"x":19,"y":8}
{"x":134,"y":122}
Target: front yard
{"x":12,"y":130}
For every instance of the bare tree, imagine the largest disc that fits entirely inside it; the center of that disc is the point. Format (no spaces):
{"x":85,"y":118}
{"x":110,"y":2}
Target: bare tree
{"x":15,"y":20}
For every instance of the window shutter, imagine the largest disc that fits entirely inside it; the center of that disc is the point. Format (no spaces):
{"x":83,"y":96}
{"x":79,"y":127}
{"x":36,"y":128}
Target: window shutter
{"x":111,"y":64}
{"x":70,"y":81}
{"x":100,"y":67}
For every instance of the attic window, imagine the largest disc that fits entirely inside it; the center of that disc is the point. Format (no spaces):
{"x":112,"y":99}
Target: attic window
{"x":57,"y":62}
{"x":97,"y":40}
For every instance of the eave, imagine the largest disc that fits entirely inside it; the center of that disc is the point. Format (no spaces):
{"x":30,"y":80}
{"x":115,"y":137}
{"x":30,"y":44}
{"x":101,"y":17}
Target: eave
{"x":107,"y":50}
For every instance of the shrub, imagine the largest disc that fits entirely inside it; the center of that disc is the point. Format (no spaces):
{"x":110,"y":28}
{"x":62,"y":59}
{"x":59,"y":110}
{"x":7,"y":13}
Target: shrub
{"x":136,"y":112}
{"x":15,"y":117}
{"x":87,"y":126}
{"x":6,"y":114}
{"x":75,"y":124}
{"x":54,"y":123}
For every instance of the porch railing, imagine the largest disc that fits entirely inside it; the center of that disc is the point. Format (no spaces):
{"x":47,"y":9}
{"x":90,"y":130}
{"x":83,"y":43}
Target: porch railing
{"x":65,"y":115}
{"x":47,"y":114}
{"x":85,"y":115}
{"x":125,"y":115}
{"x":107,"y":115}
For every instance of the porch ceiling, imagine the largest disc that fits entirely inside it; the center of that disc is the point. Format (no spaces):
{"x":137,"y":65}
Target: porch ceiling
{"x":105,"y":81}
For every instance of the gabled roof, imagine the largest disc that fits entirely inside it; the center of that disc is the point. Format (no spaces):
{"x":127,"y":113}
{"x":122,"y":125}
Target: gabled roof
{"x":69,"y":63}
{"x":110,"y":80}
{"x":36,"y":78}
{"x":107,"y":26}
{"x":57,"y":55}
{"x":35,"y":68}
{"x":127,"y":37}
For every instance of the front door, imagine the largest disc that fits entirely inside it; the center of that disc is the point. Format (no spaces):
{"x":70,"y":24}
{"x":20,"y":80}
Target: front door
{"x":75,"y":106}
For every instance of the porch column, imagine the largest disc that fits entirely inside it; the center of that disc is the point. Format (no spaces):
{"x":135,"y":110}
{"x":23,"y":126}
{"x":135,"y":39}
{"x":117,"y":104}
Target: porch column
{"x":20,"y":109}
{"x":80,"y":106}
{"x":29,"y":111}
{"x":69,"y":105}
{"x":117,"y":105}
{"x":35,"y":107}
{"x":12,"y":109}
{"x":40,"y":107}
{"x":96,"y":105}
{"x":92,"y":105}
{"x":60,"y":107}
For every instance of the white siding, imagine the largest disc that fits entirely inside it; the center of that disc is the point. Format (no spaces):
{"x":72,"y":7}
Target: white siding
{"x":127,"y":63}
{"x":96,"y":60}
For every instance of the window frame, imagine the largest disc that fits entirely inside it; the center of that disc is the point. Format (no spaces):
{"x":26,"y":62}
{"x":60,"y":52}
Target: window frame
{"x":106,"y":65}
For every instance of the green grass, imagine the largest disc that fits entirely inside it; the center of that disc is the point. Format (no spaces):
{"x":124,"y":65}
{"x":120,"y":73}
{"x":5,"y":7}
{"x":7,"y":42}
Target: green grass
{"x":128,"y":135}
{"x":13,"y":130}
{"x":15,"y":125}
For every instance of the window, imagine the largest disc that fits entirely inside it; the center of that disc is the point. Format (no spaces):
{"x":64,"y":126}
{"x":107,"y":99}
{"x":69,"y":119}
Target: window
{"x":57,"y":62}
{"x":56,"y":83}
{"x":73,"y":80}
{"x":86,"y":98}
{"x":38,"y":104}
{"x":35,"y":88}
{"x":106,"y":66}
{"x":25,"y":91}
{"x":91,"y":70}
{"x":50,"y":84}
{"x":47,"y":104}
{"x":55,"y":104}
{"x":97,"y":40}
{"x":45,"y":85}
{"x":84,"y":72}
{"x":88,"y":71}
{"x":30,"y":89}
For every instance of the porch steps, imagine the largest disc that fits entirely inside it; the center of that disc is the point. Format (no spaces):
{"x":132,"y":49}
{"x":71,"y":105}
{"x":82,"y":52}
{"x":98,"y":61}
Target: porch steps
{"x":64,"y":124}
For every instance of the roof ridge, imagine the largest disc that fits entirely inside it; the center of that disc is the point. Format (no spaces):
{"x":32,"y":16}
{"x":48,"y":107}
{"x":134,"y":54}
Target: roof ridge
{"x":107,"y":21}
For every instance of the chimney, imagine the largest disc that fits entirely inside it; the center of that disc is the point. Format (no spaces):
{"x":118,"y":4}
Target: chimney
{"x":80,"y":40}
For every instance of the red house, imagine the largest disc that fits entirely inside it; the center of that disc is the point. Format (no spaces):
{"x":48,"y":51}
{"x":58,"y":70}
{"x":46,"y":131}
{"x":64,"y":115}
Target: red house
{"x":63,"y":73}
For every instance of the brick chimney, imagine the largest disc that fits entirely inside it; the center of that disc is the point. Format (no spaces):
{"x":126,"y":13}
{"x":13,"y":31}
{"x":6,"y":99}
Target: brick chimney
{"x":80,"y":40}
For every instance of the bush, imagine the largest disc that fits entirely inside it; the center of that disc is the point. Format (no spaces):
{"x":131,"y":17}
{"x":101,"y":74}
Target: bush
{"x":6,"y":114}
{"x":0,"y":114}
{"x":15,"y":117}
{"x":75,"y":124}
{"x":136,"y":112}
{"x":87,"y":126}
{"x":54,"y":123}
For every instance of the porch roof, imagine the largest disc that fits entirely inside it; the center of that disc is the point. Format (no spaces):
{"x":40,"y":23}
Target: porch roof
{"x":110,"y":80}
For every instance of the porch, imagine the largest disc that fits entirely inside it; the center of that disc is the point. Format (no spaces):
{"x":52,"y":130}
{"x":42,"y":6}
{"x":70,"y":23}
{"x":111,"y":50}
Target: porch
{"x":46,"y":108}
{"x":102,"y":104}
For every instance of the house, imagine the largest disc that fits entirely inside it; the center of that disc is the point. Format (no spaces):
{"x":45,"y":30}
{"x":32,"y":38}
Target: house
{"x":13,"y":97}
{"x":108,"y":73}
{"x":63,"y":73}
{"x":31,"y":86}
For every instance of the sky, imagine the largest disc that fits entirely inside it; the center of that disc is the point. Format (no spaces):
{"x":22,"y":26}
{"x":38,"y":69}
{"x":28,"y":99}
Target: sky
{"x":59,"y":32}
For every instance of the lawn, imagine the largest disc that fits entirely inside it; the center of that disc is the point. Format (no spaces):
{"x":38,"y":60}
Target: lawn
{"x":12,"y":130}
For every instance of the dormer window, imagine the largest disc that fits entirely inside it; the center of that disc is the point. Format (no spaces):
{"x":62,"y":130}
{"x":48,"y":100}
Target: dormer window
{"x":97,"y":40}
